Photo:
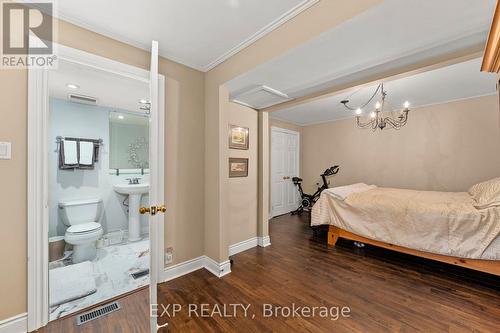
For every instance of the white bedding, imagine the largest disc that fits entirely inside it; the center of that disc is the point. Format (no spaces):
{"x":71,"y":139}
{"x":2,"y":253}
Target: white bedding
{"x":438,"y":222}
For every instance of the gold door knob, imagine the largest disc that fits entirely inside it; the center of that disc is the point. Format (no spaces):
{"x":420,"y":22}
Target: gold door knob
{"x":144,"y":210}
{"x":153,"y":210}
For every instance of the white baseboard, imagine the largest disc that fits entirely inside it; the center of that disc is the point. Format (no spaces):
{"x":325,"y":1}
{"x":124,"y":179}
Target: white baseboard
{"x":183,"y":268}
{"x":264,"y":241}
{"x":16,"y":324}
{"x":217,"y":269}
{"x":186,"y":267}
{"x":243,"y":246}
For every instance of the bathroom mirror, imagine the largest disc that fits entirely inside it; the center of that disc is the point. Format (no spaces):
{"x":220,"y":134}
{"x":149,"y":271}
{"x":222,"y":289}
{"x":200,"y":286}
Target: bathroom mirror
{"x":129,"y":141}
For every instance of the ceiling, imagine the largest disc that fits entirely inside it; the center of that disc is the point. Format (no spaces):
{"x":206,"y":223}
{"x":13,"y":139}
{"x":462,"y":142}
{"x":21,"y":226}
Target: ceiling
{"x":388,"y":36}
{"x":111,"y":90}
{"x":197,"y":33}
{"x":459,"y":81}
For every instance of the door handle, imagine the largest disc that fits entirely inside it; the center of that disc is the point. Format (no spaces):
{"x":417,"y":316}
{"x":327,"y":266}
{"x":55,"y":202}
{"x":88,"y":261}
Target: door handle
{"x":153,"y":210}
{"x":285,"y":178}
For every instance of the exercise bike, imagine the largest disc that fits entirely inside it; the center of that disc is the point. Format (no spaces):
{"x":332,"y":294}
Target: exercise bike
{"x":308,"y":200}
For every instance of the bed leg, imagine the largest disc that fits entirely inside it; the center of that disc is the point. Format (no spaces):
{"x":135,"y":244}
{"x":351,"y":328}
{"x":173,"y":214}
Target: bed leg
{"x":333,"y":235}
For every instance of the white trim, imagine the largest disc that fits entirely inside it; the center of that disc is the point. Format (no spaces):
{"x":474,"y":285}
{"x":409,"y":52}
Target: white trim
{"x":189,"y":266}
{"x":38,"y":216}
{"x":38,"y":312}
{"x":284,"y":130}
{"x":264,"y":241}
{"x":16,"y":324}
{"x":217,"y":269}
{"x":288,"y":131}
{"x":183,"y":268}
{"x":243,"y":246}
{"x":302,"y":6}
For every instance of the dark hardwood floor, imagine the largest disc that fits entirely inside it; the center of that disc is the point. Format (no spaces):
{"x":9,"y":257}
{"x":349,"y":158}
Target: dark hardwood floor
{"x":384,"y":291}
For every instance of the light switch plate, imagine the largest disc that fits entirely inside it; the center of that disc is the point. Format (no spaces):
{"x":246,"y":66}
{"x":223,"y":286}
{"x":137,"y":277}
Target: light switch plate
{"x":5,"y":151}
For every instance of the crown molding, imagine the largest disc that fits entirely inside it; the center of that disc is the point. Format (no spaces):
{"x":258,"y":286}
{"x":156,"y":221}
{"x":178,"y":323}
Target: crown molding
{"x":302,"y":6}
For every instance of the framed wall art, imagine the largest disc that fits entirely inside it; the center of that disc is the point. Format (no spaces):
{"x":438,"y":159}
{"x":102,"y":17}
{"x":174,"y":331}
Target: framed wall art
{"x":238,"y":137}
{"x":238,"y":167}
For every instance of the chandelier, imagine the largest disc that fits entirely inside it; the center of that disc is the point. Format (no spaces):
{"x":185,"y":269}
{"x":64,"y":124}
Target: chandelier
{"x":377,"y":118}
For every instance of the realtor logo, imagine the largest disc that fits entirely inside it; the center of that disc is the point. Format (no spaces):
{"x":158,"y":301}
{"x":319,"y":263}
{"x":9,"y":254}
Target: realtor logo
{"x":27,"y":34}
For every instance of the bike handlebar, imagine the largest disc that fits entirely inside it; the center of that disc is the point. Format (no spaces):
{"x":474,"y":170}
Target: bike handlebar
{"x":331,"y":171}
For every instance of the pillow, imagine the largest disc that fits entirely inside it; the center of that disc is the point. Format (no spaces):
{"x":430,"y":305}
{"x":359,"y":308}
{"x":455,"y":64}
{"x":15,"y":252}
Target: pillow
{"x":486,"y":194}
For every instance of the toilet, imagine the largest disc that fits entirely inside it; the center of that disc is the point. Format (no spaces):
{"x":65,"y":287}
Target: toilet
{"x":82,"y":217}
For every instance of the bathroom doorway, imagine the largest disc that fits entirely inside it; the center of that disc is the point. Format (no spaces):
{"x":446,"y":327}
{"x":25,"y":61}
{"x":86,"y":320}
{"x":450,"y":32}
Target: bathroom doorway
{"x":95,"y":175}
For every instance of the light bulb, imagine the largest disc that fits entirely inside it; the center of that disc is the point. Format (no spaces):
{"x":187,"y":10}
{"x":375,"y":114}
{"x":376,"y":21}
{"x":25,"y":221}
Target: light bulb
{"x":72,"y":86}
{"x":359,"y":111}
{"x":407,"y":105}
{"x":121,"y":117}
{"x":377,"y":106}
{"x":373,"y":114}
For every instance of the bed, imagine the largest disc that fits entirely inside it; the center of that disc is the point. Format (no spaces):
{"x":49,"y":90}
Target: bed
{"x":460,"y":228}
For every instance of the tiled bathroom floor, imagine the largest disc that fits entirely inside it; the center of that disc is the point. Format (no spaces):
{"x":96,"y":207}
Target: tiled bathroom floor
{"x":111,"y":270}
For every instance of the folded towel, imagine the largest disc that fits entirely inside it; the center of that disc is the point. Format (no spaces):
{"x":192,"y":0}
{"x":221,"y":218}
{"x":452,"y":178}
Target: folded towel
{"x":342,"y":192}
{"x":86,"y":153}
{"x":71,"y":282}
{"x":68,"y":154}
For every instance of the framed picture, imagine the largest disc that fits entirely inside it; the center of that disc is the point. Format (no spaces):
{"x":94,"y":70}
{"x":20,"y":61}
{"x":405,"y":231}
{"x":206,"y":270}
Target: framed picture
{"x":238,"y":137}
{"x":238,"y":167}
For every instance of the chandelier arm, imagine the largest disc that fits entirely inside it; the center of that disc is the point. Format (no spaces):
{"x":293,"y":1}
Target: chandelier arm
{"x":393,"y":123}
{"x":364,"y":125}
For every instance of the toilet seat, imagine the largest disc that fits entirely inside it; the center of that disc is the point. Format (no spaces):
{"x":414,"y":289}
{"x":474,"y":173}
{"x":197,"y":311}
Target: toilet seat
{"x":82,"y":228}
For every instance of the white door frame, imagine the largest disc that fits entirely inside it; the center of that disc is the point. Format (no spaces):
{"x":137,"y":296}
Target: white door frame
{"x":283,"y":130}
{"x":38,"y":217}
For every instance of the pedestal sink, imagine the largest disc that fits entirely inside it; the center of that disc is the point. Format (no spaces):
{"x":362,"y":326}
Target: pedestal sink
{"x":134,"y":192}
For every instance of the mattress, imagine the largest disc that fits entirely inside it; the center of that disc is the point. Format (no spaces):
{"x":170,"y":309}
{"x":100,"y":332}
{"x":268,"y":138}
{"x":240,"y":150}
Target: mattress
{"x":438,"y":222}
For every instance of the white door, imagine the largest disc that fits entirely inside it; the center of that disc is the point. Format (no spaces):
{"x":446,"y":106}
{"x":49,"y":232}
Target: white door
{"x":156,"y":195}
{"x":284,"y":166}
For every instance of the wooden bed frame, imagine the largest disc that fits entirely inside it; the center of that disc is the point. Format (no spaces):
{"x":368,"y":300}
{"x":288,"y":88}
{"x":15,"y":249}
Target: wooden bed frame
{"x":487,"y":266}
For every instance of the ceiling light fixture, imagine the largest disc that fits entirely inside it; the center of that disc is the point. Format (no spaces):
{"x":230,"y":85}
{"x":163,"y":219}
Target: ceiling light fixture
{"x":377,"y":118}
{"x":72,"y":86}
{"x":121,"y":117}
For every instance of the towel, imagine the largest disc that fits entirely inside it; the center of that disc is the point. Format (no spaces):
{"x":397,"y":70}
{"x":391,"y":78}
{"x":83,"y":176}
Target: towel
{"x":86,"y":158}
{"x":71,"y":282}
{"x":68,"y":154}
{"x":342,"y":192}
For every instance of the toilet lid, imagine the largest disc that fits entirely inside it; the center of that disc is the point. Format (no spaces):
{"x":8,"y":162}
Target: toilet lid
{"x":83,"y":227}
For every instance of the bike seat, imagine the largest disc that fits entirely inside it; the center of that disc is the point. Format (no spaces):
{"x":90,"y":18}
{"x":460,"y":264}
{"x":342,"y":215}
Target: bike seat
{"x":296,"y":180}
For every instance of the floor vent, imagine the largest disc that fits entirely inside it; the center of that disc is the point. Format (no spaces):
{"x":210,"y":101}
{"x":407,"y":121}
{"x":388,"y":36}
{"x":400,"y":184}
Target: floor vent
{"x":140,"y":274}
{"x":97,"y":313}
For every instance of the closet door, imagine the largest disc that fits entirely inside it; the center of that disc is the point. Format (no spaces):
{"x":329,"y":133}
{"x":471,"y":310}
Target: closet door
{"x":284,"y":166}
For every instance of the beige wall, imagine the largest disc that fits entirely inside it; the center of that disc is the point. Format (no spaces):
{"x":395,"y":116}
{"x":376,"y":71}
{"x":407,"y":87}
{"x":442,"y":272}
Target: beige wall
{"x":243,"y":191}
{"x":184,"y":155}
{"x":445,"y":147}
{"x":309,"y":24}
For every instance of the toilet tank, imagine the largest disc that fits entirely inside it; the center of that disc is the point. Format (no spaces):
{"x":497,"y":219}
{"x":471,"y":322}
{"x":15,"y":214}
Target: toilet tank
{"x":80,"y":211}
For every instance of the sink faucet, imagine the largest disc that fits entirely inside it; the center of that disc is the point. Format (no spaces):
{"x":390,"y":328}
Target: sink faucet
{"x":133,"y":181}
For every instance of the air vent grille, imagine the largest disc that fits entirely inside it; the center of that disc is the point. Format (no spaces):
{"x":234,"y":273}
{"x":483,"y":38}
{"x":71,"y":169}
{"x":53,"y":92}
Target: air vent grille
{"x":97,"y":313}
{"x":259,"y":97}
{"x":82,"y":99}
